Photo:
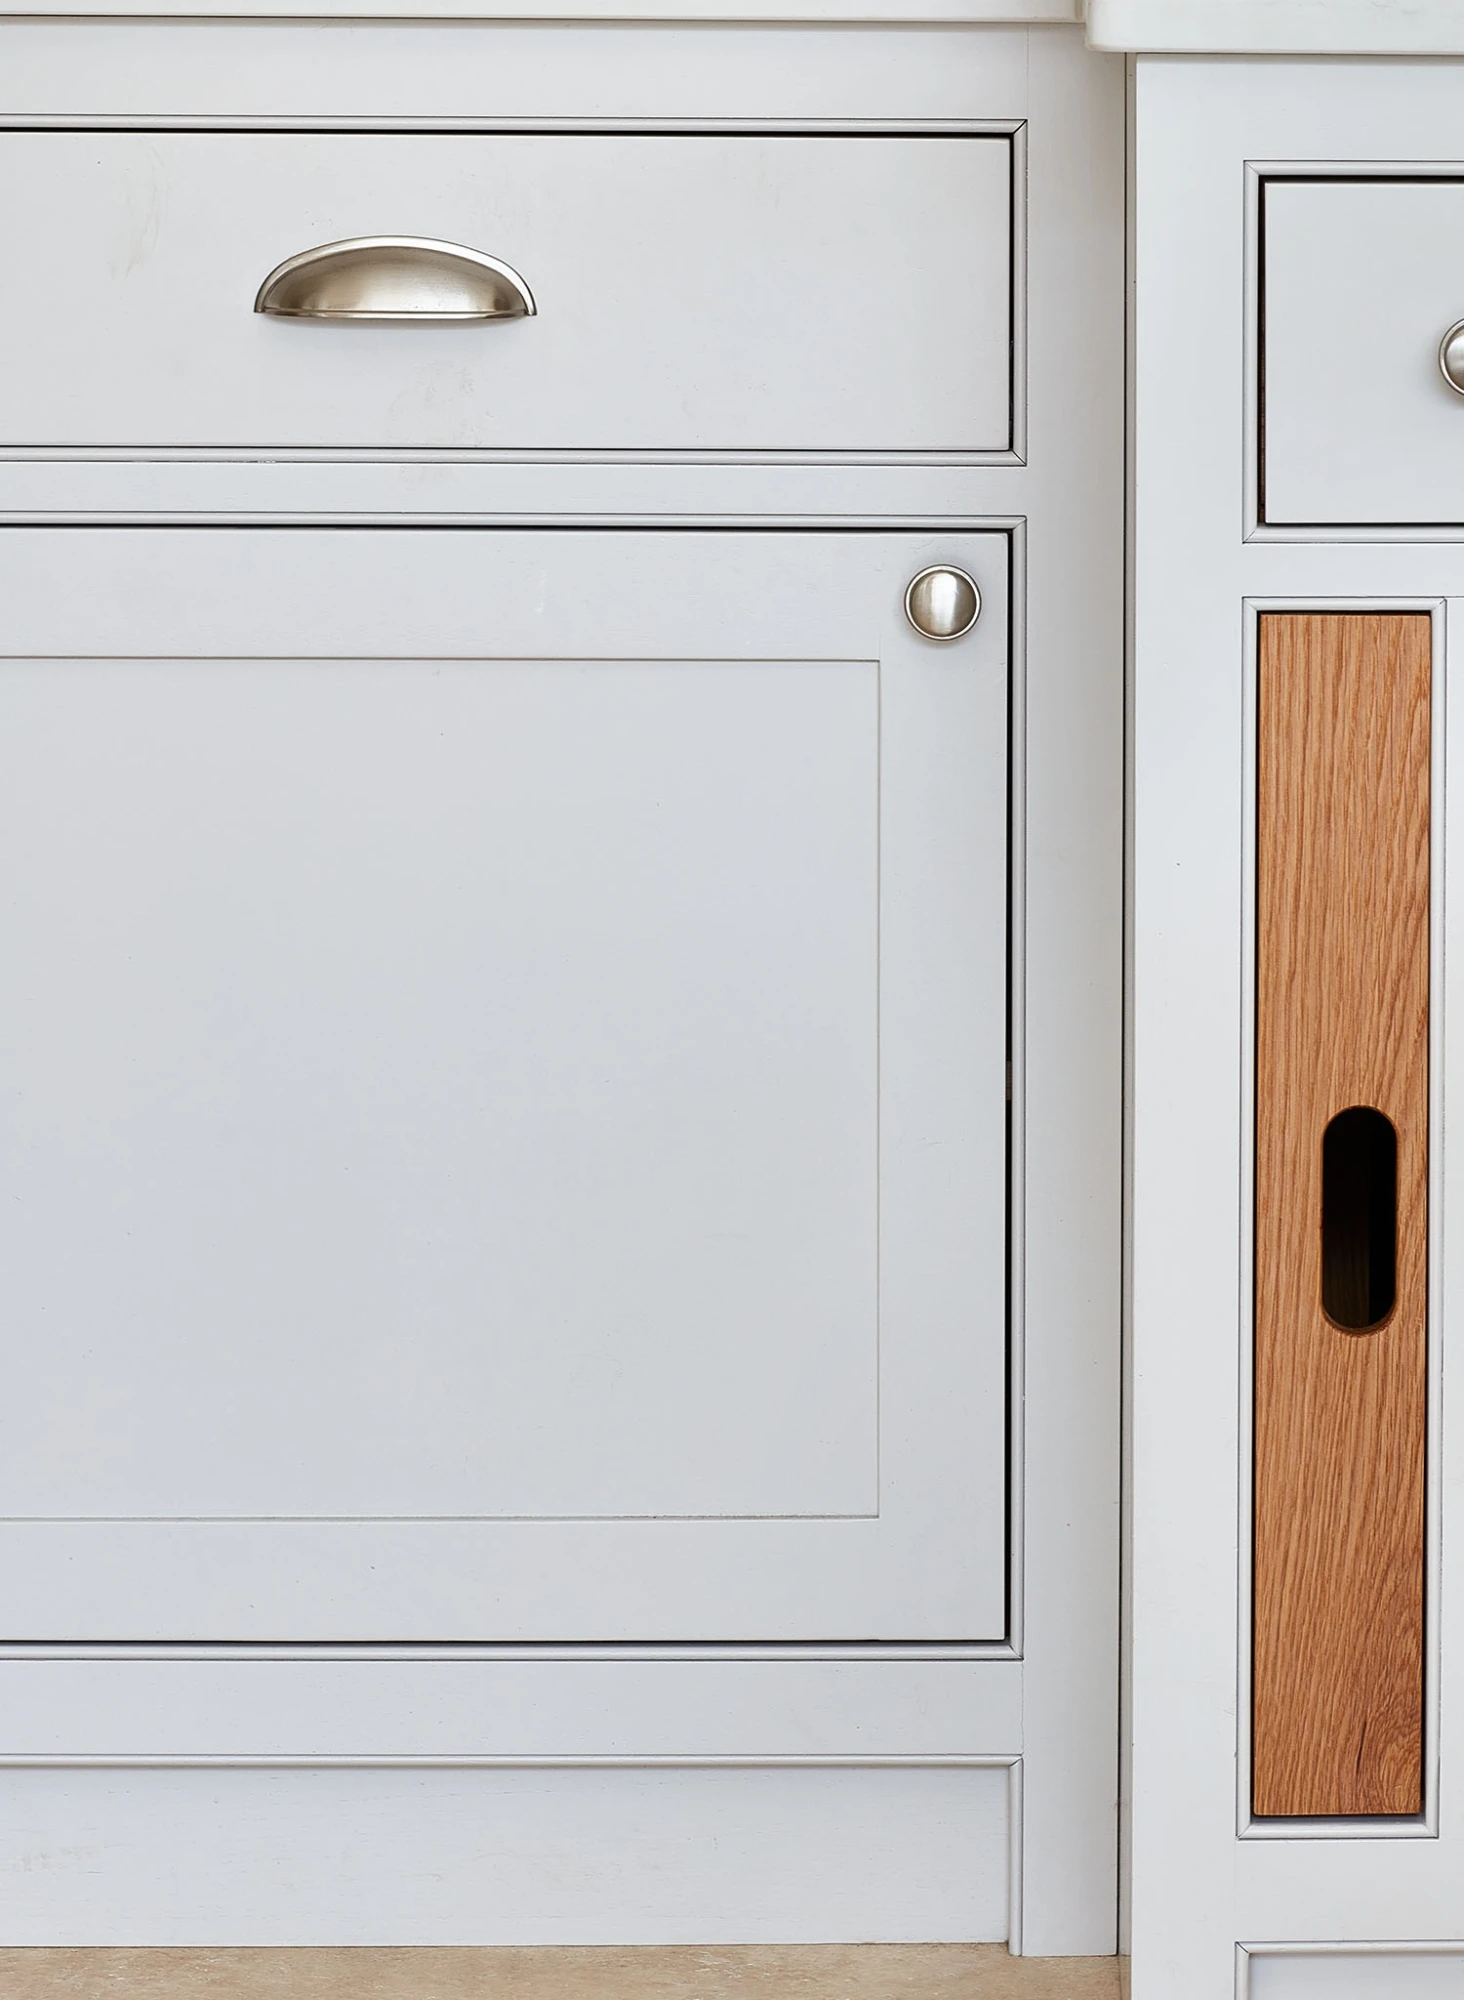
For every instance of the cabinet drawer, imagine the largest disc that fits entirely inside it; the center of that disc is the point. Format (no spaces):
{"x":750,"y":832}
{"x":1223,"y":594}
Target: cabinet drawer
{"x":1362,"y":280}
{"x":695,"y":293}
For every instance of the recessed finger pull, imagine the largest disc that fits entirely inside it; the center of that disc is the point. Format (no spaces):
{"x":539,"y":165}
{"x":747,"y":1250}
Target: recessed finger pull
{"x":412,"y":278}
{"x":1359,"y":1219}
{"x":1451,"y":357}
{"x":942,"y":602}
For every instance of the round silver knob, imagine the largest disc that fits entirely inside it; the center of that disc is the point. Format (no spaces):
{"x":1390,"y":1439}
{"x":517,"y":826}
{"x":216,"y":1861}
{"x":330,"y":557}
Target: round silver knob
{"x":1451,"y":357}
{"x":944,"y":603}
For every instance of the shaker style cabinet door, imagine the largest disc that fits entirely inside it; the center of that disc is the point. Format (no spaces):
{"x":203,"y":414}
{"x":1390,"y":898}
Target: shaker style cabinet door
{"x":503,"y":1100}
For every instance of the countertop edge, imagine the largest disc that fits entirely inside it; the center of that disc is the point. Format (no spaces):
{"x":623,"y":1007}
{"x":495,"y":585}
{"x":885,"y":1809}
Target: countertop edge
{"x":740,"y":13}
{"x":1277,"y":27}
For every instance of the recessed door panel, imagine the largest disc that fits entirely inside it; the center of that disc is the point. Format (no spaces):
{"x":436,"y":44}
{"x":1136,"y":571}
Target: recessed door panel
{"x":468,"y":1073}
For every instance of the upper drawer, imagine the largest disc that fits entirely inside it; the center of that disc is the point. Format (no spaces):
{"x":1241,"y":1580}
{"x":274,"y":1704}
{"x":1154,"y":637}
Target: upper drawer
{"x":1362,"y":280}
{"x":738,"y":293}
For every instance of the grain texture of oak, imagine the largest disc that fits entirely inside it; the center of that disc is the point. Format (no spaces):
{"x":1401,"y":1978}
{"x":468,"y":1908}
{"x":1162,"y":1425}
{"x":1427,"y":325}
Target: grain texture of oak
{"x":1342,"y":972}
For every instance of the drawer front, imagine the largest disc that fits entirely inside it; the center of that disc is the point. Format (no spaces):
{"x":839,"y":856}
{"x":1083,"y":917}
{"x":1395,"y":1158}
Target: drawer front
{"x":1362,"y":280}
{"x":695,"y":293}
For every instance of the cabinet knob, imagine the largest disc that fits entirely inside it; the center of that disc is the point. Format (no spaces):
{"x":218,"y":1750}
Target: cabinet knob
{"x":1451,"y":357}
{"x":944,"y":603}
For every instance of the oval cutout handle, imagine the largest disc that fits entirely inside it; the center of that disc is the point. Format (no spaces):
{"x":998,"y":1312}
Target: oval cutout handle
{"x":1359,"y":1219}
{"x":394,"y":278}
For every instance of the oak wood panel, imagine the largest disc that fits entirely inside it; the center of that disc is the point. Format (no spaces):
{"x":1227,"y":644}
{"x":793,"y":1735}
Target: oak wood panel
{"x":555,"y":1972}
{"x":1341,"y":1020}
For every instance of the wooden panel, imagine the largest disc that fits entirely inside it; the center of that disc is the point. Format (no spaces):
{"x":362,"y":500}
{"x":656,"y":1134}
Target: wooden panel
{"x":1342,"y":1020}
{"x":547,"y":1972}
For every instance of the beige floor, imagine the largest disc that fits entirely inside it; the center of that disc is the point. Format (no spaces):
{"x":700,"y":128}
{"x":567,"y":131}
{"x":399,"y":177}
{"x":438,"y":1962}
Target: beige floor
{"x":788,"y":1972}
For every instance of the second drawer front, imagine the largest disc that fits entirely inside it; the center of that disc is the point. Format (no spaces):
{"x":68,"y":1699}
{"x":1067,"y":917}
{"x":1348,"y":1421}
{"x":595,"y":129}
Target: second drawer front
{"x":1362,"y":280}
{"x":791,"y":294}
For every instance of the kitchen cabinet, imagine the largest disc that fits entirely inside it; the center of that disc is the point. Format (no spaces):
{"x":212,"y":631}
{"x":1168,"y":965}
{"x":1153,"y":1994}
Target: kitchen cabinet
{"x":1295,"y":1688}
{"x":561,"y":1027}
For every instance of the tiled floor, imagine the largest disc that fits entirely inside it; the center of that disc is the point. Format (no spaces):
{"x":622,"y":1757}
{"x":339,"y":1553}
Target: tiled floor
{"x":692,"y":1972}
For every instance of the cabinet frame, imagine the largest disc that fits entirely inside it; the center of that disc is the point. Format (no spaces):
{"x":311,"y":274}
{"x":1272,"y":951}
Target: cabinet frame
{"x":1201,"y":131}
{"x":1047,"y":1702}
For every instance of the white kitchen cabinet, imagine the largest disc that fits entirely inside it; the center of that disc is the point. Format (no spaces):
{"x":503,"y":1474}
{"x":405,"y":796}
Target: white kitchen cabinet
{"x":561,"y":1060}
{"x":1294,"y":464}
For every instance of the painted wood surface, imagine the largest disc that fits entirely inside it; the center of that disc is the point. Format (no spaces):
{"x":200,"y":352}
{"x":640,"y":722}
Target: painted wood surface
{"x":1413,"y":1972}
{"x":452,"y":1857}
{"x":1342,"y":1020}
{"x":1197,"y":1889}
{"x":1361,"y":283}
{"x":150,"y":246}
{"x":1278,"y":27}
{"x":576,"y":1026}
{"x":612,"y":13}
{"x":1065,"y":941}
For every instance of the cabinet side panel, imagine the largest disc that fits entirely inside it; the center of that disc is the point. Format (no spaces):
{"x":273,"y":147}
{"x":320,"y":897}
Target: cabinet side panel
{"x":1341,"y":1022}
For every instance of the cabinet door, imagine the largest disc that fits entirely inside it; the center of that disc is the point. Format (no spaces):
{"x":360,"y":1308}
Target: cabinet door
{"x":691,"y":287}
{"x":503,"y":1054}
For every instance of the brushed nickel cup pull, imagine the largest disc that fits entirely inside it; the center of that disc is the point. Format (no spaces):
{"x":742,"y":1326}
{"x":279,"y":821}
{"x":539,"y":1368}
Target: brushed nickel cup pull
{"x":1451,"y":357}
{"x":942,"y":602}
{"x":394,"y":278}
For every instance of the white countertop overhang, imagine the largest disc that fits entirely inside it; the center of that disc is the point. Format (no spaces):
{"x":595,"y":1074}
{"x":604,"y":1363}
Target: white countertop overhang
{"x":1174,"y":27}
{"x":1279,"y":27}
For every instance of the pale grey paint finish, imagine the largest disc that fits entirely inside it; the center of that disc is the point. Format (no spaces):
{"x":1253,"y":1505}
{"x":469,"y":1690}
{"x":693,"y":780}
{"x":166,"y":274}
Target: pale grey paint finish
{"x":1201,"y":1880}
{"x":1277,"y":27}
{"x":754,"y":13}
{"x":552,"y":1107}
{"x":463,"y":1077}
{"x":749,"y":293}
{"x":1362,"y":281}
{"x":1057,"y":1699}
{"x":440,"y":1704}
{"x":487,"y":1857}
{"x":1355,"y":1975}
{"x":518,"y":74}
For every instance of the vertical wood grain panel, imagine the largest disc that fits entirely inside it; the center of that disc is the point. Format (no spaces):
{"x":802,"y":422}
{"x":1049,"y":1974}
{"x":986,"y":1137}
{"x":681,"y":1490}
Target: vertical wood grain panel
{"x":1341,"y":1020}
